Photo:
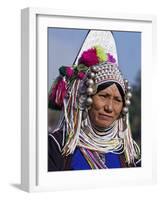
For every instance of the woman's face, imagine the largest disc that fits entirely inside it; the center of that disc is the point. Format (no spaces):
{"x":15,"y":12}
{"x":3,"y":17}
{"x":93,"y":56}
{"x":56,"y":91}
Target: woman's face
{"x":106,"y":107}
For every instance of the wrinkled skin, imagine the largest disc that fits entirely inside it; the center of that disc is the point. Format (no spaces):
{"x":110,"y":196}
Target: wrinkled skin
{"x":106,"y":107}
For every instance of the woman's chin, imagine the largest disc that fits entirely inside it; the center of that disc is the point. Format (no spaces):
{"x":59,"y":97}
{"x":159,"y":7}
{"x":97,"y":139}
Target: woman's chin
{"x":103,"y":125}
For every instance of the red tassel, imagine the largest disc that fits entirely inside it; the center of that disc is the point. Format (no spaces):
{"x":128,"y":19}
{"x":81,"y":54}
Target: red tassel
{"x":58,"y":93}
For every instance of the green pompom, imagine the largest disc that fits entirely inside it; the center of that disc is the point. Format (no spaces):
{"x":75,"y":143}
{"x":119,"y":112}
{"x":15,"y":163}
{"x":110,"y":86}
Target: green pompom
{"x":81,"y":67}
{"x":101,"y":54}
{"x":62,"y":70}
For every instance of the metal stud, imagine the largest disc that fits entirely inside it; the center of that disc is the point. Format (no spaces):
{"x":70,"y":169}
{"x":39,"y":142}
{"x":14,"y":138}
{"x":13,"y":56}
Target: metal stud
{"x":126,"y":81}
{"x":90,"y":82}
{"x":89,"y":101}
{"x":91,"y":75}
{"x":129,"y":95}
{"x":94,"y":69}
{"x":125,"y":110}
{"x":127,"y":102}
{"x":89,"y":91}
{"x":129,"y":88}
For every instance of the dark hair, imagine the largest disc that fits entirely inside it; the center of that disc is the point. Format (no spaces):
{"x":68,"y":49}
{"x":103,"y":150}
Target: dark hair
{"x":107,"y":84}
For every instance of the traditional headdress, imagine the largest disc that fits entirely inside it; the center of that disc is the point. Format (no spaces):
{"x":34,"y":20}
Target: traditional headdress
{"x":72,"y":92}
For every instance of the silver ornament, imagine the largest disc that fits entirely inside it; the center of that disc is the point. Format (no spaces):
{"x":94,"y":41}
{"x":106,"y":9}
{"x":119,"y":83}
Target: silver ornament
{"x":129,"y":95}
{"x":89,"y":91}
{"x":90,"y":82}
{"x":127,"y":102}
{"x":94,"y":69}
{"x":129,"y":88}
{"x":125,"y":110}
{"x":126,"y":81}
{"x":89,"y":101}
{"x":91,"y":75}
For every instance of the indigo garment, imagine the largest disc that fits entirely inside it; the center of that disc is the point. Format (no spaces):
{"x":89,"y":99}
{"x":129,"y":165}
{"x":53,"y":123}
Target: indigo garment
{"x":78,"y":161}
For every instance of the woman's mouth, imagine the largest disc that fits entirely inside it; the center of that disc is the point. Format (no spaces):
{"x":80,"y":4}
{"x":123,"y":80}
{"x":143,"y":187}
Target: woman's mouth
{"x":105,"y":116}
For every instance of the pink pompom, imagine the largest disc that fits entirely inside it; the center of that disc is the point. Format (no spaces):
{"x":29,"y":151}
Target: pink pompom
{"x":89,"y":58}
{"x":81,"y":75}
{"x":69,"y":72}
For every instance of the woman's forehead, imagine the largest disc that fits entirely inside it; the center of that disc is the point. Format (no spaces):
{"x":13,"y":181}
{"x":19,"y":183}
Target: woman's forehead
{"x":111,"y":89}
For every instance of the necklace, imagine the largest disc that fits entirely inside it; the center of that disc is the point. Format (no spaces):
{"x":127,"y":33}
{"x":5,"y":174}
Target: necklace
{"x":107,"y":141}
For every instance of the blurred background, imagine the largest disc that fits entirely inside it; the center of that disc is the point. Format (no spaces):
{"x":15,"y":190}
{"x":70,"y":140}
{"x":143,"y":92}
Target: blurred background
{"x":63,"y":47}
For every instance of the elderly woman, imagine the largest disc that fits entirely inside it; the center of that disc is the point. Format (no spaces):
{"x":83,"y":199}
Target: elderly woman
{"x":94,"y":132}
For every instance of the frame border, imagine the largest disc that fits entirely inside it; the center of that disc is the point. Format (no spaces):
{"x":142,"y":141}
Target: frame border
{"x":29,"y":175}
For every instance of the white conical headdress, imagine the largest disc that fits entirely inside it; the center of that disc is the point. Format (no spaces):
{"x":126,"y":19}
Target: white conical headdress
{"x":104,"y":39}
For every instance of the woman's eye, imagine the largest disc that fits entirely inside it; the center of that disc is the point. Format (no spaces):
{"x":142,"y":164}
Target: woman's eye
{"x":119,"y":100}
{"x":101,"y":95}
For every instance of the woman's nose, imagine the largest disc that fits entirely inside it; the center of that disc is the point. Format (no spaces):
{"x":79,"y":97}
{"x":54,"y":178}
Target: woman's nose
{"x":108,"y":107}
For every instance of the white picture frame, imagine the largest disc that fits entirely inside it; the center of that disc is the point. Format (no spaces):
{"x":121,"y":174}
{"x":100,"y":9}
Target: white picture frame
{"x":34,"y":175}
